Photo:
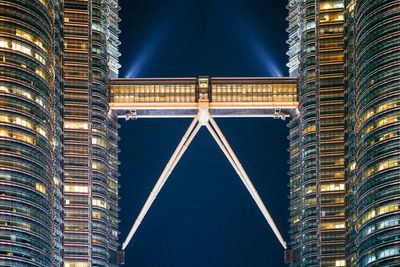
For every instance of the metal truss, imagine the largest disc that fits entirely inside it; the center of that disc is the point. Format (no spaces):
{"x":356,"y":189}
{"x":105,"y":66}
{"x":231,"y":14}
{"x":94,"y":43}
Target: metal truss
{"x":203,"y":118}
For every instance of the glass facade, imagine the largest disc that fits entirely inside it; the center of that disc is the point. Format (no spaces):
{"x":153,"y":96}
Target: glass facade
{"x":344,"y":143}
{"x":30,"y":133}
{"x":184,"y":90}
{"x":377,"y":138}
{"x":317,"y":185}
{"x":90,"y":133}
{"x":58,"y":134}
{"x":58,"y":140}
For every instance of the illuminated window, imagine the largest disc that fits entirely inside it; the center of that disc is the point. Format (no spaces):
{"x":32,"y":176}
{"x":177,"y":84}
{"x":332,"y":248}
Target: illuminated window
{"x":21,"y":48}
{"x":375,"y":212}
{"x":388,"y":135}
{"x":311,"y":128}
{"x":100,"y":203}
{"x":41,"y":131}
{"x":40,"y":58}
{"x":41,"y":188}
{"x":4,"y":118}
{"x":99,"y":141}
{"x":388,"y":164}
{"x":40,"y":72}
{"x":340,"y":263}
{"x":382,"y":166}
{"x":352,"y":166}
{"x":389,"y":252}
{"x":387,"y":106}
{"x":23,"y":122}
{"x":24,"y":35}
{"x":75,"y":264}
{"x":76,"y":188}
{"x":3,"y":43}
{"x":333,"y":225}
{"x":114,"y":233}
{"x":76,"y":125}
{"x":3,"y":88}
{"x":309,"y":189}
{"x":96,"y":215}
{"x":339,"y":162}
{"x":339,"y":174}
{"x":24,"y":93}
{"x":387,"y":120}
{"x":332,"y":187}
{"x":340,"y":17}
{"x":327,"y":6}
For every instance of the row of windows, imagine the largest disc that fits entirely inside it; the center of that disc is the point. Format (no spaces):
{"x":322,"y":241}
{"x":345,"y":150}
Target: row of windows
{"x":380,"y":167}
{"x":331,"y":4}
{"x":24,"y":224}
{"x":333,"y":225}
{"x":369,"y":113}
{"x":332,"y":187}
{"x":24,"y":122}
{"x":17,"y":46}
{"x":100,"y":203}
{"x":381,"y":254}
{"x":25,"y":93}
{"x":16,"y":207}
{"x":76,"y":188}
{"x":20,"y":47}
{"x":76,"y":125}
{"x":372,"y":213}
{"x":76,"y":213}
{"x":379,"y":225}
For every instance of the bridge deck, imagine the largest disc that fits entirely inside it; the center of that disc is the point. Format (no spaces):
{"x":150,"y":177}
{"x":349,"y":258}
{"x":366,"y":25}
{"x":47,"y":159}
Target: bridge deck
{"x":228,"y":97}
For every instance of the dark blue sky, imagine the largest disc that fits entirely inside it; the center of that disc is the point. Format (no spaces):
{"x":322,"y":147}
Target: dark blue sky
{"x":204,"y":215}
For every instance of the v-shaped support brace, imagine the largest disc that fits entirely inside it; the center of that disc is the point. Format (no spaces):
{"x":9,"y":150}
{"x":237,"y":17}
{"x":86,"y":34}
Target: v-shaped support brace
{"x":203,"y":118}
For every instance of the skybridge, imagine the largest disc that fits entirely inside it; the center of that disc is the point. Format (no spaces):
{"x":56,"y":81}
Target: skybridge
{"x":179,"y":97}
{"x":203,"y":99}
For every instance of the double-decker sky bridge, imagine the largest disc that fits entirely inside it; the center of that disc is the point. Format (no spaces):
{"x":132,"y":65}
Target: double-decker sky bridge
{"x":179,"y":97}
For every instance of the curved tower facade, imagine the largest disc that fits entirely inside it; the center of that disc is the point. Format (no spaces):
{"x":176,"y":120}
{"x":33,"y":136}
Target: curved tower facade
{"x":30,"y":133}
{"x":349,"y":93}
{"x":58,"y":139}
{"x":377,"y":43}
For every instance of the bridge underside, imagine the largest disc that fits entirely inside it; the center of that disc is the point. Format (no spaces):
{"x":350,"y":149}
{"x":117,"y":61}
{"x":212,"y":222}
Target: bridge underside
{"x":228,"y":97}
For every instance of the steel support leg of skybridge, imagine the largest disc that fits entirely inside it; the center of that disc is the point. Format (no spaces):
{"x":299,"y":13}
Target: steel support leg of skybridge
{"x":203,"y":118}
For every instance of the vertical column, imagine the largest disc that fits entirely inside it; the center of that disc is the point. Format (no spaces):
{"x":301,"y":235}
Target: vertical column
{"x":330,"y":127}
{"x":58,"y":44}
{"x":77,"y":133}
{"x":317,"y":135}
{"x":350,"y":133}
{"x":104,"y":188}
{"x":308,"y":105}
{"x":91,"y":163}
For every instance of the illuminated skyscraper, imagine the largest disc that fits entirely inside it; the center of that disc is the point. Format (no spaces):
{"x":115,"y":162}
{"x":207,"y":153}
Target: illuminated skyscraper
{"x":58,"y":139}
{"x":58,"y":134}
{"x":373,"y":153}
{"x":30,"y":133}
{"x":345,"y":149}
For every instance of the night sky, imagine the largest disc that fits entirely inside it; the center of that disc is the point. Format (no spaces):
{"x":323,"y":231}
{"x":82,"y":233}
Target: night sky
{"x":204,"y":216}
